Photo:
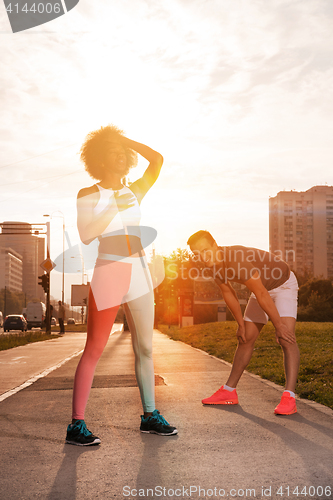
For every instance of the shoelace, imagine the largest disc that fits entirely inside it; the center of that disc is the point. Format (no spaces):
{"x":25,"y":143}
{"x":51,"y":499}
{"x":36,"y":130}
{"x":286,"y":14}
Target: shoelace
{"x":83,"y":428}
{"x":159,"y":417}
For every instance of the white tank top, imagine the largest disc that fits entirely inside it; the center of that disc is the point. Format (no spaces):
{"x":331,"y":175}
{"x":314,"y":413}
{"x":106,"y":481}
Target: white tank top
{"x":129,"y":217}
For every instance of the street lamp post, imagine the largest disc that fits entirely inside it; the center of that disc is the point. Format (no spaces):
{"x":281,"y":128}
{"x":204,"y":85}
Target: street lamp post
{"x":82,"y":270}
{"x":63,"y":250}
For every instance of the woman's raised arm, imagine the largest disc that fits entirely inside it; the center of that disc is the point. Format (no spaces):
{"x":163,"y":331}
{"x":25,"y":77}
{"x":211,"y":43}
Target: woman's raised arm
{"x":142,"y":185}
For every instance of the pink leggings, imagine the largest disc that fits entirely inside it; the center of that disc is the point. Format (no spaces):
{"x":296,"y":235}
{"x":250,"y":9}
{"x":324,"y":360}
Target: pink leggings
{"x":140,"y":317}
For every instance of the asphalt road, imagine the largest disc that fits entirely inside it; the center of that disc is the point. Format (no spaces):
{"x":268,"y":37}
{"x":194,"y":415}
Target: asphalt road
{"x":242,"y":451}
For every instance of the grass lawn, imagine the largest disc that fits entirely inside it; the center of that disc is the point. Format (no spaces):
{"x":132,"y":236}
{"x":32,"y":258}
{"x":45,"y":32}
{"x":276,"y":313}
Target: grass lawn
{"x":78,"y":327}
{"x":7,"y":341}
{"x":16,"y":339}
{"x":315,"y":340}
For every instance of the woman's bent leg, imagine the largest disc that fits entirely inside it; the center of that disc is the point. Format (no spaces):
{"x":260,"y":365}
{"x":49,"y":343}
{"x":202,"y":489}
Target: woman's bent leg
{"x":98,"y":331}
{"x":140,"y":317}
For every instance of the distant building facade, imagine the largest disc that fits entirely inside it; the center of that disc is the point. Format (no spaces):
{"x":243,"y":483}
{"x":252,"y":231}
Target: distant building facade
{"x":11,"y":267}
{"x":301,"y":229}
{"x":21,"y":238}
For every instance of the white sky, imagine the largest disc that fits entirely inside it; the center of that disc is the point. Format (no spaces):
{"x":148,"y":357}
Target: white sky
{"x":236,"y":95}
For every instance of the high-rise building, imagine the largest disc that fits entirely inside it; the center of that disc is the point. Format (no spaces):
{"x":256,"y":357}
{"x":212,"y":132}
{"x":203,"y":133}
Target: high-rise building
{"x":21,"y":237}
{"x":301,"y":229}
{"x":10,"y":270}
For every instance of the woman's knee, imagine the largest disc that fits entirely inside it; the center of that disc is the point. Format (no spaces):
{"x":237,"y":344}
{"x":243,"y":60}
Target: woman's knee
{"x":143,"y":348}
{"x":93,"y":353}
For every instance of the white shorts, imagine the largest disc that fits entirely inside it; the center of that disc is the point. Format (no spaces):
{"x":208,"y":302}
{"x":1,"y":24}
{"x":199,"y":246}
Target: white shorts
{"x":284,"y":298}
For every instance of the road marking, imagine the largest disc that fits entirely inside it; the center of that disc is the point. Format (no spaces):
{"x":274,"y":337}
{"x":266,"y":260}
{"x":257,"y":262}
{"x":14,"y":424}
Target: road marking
{"x":115,"y":329}
{"x":12,"y":362}
{"x":7,"y":394}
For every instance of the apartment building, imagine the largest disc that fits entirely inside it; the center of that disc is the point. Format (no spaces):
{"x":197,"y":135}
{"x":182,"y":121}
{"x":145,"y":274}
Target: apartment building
{"x":301,"y":229}
{"x":20,"y":237}
{"x":10,"y":269}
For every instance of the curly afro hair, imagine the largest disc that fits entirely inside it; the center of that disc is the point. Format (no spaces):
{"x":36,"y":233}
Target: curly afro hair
{"x":94,"y":146}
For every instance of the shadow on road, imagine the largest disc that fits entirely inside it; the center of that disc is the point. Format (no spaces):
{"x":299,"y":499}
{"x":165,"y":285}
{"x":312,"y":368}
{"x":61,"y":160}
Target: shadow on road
{"x":65,"y":483}
{"x":153,"y":460}
{"x":309,"y":451}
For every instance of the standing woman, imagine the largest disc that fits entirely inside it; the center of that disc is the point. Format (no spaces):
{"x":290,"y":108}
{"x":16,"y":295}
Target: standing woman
{"x":110,"y":211}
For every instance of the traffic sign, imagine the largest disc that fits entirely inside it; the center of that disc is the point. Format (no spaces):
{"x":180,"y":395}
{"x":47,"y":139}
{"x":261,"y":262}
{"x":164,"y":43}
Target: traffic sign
{"x":47,"y":265}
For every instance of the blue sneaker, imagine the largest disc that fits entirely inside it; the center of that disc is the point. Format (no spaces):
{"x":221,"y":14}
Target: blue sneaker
{"x":78,"y":434}
{"x":156,"y":424}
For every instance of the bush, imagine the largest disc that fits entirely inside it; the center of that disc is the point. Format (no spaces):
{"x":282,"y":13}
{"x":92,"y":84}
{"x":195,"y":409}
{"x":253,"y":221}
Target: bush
{"x":205,"y":313}
{"x":316,"y":301}
{"x":323,"y":289}
{"x":318,"y":310}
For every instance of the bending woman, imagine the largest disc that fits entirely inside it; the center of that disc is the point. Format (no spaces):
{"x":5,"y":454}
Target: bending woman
{"x":110,"y":211}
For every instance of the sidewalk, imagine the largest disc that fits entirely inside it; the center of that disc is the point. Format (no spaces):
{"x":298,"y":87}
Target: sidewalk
{"x":242,"y":451}
{"x":27,"y":363}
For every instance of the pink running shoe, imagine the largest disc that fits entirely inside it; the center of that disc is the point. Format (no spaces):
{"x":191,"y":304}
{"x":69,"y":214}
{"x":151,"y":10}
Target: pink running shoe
{"x":222,"y":397}
{"x":287,"y":405}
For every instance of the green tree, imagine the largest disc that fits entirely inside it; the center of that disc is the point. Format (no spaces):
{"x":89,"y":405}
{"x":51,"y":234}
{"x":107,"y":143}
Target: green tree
{"x":323,"y":288}
{"x":303,"y":278}
{"x":316,"y":301}
{"x":15,"y":301}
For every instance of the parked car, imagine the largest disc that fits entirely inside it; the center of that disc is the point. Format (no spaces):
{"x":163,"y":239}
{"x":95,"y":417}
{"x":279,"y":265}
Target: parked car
{"x":36,"y":312}
{"x":71,"y":321}
{"x":15,"y":322}
{"x":53,"y":322}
